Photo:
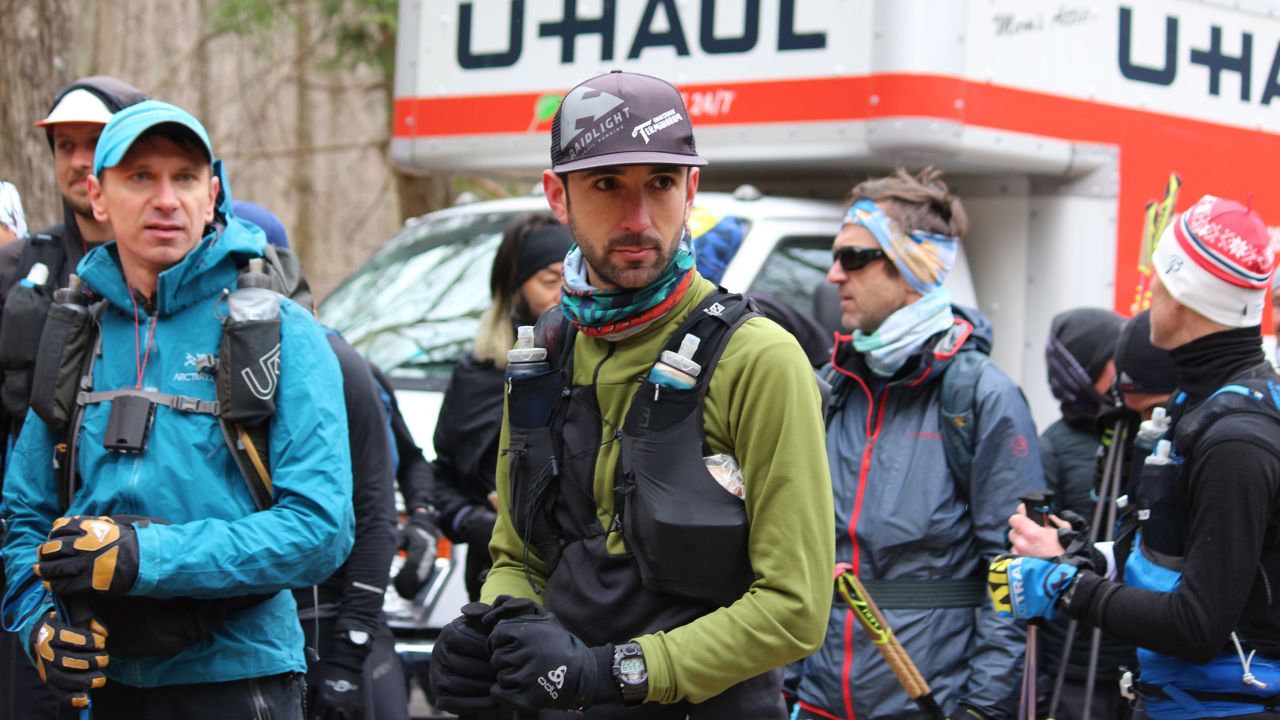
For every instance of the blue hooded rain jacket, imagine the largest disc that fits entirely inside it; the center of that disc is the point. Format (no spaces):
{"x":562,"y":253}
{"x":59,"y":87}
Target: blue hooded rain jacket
{"x":216,"y":544}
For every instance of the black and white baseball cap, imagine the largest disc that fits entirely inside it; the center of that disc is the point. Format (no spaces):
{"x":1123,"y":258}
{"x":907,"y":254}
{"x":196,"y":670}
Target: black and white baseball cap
{"x":622,"y":118}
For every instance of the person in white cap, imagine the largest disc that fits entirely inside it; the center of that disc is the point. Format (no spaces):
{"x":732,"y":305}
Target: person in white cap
{"x":44,"y":259}
{"x":1191,"y":579}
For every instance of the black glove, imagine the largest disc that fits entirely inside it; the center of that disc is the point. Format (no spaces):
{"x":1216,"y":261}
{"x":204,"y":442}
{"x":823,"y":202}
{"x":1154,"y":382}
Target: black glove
{"x":89,"y":554}
{"x":461,"y":677}
{"x":339,"y":693}
{"x":68,"y":659}
{"x":418,"y":540}
{"x":477,"y":528}
{"x":542,"y":666}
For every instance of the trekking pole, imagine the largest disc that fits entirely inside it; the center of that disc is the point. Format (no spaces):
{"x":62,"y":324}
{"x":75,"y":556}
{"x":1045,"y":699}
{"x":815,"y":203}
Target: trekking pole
{"x":1038,"y":505}
{"x":877,"y":628}
{"x":1108,"y":534}
{"x":1108,"y":489}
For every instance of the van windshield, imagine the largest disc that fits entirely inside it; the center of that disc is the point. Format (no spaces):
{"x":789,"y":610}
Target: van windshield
{"x":412,"y":309}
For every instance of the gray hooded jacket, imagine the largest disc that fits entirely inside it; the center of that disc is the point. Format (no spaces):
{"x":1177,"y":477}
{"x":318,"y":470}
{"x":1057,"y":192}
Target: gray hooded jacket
{"x":900,"y":514}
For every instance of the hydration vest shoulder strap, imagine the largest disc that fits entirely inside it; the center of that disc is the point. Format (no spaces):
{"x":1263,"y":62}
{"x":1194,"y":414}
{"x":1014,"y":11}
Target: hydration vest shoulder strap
{"x":40,"y":248}
{"x":248,"y":445}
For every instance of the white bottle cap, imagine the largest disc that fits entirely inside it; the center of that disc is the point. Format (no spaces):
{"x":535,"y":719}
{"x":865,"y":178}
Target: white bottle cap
{"x":1164,"y":448}
{"x":1158,"y":415}
{"x":689,"y":345}
{"x":681,"y":363}
{"x":524,"y":336}
{"x":525,"y":349}
{"x":39,"y":274}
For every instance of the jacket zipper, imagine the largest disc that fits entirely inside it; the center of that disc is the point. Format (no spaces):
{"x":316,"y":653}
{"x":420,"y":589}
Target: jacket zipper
{"x":863,"y":470}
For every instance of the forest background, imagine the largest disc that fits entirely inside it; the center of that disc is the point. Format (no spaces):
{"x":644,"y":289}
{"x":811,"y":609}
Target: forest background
{"x":296,"y":96}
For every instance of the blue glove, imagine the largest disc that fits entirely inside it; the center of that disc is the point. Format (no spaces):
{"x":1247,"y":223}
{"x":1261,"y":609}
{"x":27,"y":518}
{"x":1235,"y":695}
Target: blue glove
{"x":1027,"y":588}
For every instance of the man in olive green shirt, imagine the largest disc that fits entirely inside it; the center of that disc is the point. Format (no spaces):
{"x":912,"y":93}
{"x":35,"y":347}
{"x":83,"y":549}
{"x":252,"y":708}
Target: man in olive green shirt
{"x":631,"y":578}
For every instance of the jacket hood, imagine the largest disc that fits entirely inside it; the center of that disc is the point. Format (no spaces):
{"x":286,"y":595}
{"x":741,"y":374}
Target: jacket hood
{"x":983,"y":336}
{"x":210,"y":267}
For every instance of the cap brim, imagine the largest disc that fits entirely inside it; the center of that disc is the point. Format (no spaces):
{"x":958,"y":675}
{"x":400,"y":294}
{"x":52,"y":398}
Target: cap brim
{"x":630,"y":158}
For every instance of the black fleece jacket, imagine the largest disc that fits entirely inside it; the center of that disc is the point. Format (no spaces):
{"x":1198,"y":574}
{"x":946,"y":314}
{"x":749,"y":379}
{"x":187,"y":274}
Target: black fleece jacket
{"x":1232,"y":491}
{"x":356,"y":589}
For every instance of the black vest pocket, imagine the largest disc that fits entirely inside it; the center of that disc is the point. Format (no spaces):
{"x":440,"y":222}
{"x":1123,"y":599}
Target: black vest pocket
{"x":688,"y":535}
{"x":535,"y":476}
{"x":25,"y":310}
{"x":65,"y":345}
{"x":1161,"y":509}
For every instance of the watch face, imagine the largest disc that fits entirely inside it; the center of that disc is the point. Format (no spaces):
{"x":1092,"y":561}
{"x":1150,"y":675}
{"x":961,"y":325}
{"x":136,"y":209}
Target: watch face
{"x":631,"y":666}
{"x":358,"y":637}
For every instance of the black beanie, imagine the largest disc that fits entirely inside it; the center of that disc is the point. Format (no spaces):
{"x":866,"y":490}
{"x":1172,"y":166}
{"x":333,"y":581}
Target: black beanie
{"x":1140,"y":366}
{"x":1089,"y":334}
{"x":540,"y":248}
{"x":1080,"y":344}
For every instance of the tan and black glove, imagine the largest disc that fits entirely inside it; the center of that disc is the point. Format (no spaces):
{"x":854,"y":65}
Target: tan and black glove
{"x":70,"y":660}
{"x":89,"y":554}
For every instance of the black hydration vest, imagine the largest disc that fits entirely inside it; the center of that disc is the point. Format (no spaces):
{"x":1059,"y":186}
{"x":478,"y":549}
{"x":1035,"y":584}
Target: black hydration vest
{"x":1151,"y":545}
{"x":686,"y":536}
{"x":25,"y":309}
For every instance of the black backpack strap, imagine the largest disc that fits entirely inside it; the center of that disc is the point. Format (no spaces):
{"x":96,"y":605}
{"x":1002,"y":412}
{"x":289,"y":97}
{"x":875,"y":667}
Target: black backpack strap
{"x":248,"y":446}
{"x":43,"y":248}
{"x":66,"y":449}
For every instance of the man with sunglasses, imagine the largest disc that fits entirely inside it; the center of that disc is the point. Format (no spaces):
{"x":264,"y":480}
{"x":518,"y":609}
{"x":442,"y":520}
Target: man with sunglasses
{"x":918,"y":513}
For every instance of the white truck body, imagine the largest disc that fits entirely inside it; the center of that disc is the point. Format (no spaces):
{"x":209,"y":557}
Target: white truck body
{"x":1055,"y":121}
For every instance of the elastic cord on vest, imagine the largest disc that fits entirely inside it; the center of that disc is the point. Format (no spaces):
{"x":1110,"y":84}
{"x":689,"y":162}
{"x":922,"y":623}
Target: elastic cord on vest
{"x":1247,"y":677}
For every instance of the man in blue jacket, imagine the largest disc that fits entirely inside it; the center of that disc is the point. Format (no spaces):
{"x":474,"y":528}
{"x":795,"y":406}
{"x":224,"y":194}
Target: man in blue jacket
{"x":922,"y":482}
{"x":160,"y":509}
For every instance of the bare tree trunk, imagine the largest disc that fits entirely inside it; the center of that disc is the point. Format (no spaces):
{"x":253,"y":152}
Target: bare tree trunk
{"x":38,"y":58}
{"x":417,"y":194}
{"x":303,"y":233}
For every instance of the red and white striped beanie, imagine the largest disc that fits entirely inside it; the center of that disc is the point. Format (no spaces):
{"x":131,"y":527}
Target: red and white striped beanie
{"x":1216,"y":258}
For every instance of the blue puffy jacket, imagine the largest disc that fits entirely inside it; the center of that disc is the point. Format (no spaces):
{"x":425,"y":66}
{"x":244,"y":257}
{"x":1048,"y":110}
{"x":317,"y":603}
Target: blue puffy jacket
{"x":900,"y":514}
{"x":217,"y":545}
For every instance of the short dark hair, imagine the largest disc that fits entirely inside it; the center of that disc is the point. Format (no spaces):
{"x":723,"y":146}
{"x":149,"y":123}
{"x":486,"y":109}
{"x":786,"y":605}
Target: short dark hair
{"x":180,"y":135}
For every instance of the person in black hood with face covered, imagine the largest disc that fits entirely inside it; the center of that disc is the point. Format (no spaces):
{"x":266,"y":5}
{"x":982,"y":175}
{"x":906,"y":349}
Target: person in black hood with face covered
{"x":79,"y":112}
{"x":525,"y":283}
{"x":1079,"y":358}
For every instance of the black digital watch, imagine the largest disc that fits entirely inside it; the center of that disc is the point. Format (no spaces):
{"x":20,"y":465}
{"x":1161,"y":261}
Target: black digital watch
{"x":630,"y":672}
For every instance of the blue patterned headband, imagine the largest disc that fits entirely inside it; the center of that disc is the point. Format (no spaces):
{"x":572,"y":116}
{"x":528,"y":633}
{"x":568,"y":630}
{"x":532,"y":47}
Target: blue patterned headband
{"x":923,"y":258}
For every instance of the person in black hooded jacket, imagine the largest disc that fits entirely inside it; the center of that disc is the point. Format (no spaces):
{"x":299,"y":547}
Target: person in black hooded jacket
{"x":525,"y":283}
{"x":78,"y":113}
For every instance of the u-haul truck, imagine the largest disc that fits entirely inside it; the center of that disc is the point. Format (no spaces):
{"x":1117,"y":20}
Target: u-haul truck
{"x":1055,"y":121}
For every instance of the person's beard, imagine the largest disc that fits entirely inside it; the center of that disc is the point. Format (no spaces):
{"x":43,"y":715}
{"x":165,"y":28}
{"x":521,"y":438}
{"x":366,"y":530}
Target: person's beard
{"x":621,"y":276}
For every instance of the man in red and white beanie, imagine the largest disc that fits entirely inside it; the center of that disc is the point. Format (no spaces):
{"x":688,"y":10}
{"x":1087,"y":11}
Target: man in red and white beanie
{"x":1214,"y":260}
{"x":1199,"y":554}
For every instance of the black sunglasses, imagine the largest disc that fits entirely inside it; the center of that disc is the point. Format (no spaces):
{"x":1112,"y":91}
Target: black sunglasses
{"x":856,"y":258}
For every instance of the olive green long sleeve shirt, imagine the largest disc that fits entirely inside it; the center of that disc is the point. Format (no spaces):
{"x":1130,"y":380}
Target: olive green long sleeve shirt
{"x":763,"y":408}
